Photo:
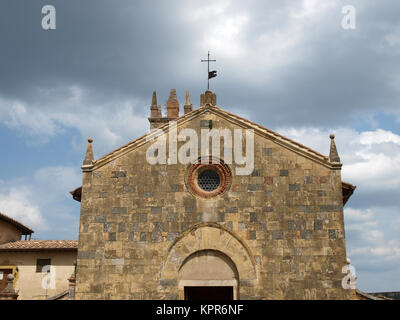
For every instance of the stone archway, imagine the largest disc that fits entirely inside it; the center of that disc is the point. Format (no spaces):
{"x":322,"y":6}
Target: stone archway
{"x":207,"y":237}
{"x":208,"y":274}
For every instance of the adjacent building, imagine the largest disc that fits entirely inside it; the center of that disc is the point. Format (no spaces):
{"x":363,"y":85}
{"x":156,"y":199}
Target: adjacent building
{"x":25,"y":260}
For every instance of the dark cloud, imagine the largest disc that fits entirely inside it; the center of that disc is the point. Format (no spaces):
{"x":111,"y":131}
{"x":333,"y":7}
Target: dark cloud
{"x":124,"y":49}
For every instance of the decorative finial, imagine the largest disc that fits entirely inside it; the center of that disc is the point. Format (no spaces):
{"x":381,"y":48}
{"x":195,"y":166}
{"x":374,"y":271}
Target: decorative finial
{"x":154,"y":99}
{"x":187,"y":102}
{"x":155,"y":110}
{"x":89,"y":154}
{"x":188,"y":105}
{"x":333,"y":154}
{"x":9,"y":289}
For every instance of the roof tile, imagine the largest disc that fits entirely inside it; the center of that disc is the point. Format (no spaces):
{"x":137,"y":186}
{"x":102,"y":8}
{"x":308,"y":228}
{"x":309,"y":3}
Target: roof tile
{"x":39,"y":245}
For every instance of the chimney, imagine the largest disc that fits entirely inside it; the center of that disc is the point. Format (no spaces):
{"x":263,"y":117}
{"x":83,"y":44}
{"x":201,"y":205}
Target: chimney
{"x":172,"y":105}
{"x":188,"y":105}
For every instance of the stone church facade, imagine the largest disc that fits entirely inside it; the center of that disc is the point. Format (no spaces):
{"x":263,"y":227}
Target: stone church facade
{"x":182,"y":231}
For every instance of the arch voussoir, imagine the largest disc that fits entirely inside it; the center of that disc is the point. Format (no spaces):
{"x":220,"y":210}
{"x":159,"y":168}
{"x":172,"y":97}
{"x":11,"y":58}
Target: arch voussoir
{"x":208,"y":236}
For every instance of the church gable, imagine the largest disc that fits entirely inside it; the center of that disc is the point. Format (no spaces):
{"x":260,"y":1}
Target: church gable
{"x":282,"y":223}
{"x":212,"y":117}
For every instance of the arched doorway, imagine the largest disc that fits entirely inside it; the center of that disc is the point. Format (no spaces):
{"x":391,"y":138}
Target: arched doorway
{"x":208,"y":275}
{"x":208,"y":236}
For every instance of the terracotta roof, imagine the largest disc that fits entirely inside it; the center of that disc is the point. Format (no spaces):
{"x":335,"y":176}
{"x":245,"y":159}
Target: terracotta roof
{"x":366,"y":296}
{"x":59,"y":296}
{"x":77,"y":194}
{"x":40,"y":245}
{"x":24,"y":229}
{"x":347,"y":191}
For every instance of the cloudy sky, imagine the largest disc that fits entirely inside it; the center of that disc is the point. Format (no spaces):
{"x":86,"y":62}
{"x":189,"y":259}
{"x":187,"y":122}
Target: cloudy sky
{"x":288,"y":65}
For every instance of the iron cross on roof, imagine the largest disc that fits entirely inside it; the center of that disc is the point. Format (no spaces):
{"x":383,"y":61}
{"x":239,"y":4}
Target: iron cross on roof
{"x":211,"y":74}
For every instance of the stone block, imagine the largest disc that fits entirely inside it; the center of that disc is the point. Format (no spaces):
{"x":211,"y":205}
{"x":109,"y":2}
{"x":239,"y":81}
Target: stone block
{"x":330,"y":208}
{"x":135,"y":227}
{"x":128,"y":189}
{"x":269,"y":180}
{"x":294,"y":187}
{"x":332,"y":234}
{"x":277,"y":235}
{"x":306,"y":234}
{"x":119,"y":174}
{"x":112,"y":236}
{"x":308,"y":180}
{"x":100,"y":218}
{"x":318,"y":224}
{"x":121,"y":227}
{"x":143,"y":236}
{"x":256,"y":173}
{"x":143,"y":217}
{"x":147,"y":195}
{"x":86,"y":254}
{"x":253,"y":187}
{"x":107,"y":227}
{"x":118,"y":262}
{"x":284,"y":173}
{"x":172,"y":217}
{"x":118,"y":210}
{"x":156,"y":210}
{"x":267,"y":152}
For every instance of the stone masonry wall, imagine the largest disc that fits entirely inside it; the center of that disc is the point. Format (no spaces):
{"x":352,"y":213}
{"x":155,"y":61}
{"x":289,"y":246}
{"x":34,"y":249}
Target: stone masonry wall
{"x":288,"y":217}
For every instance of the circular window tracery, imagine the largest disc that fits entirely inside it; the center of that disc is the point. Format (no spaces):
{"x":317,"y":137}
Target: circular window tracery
{"x":208,"y":178}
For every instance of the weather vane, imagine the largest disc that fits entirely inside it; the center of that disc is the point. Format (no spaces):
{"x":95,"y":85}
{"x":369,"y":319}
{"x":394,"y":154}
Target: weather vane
{"x":211,"y":74}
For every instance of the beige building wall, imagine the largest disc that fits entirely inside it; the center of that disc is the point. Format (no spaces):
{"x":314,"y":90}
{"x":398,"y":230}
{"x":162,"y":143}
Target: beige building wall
{"x":29,"y":282}
{"x":8,"y":232}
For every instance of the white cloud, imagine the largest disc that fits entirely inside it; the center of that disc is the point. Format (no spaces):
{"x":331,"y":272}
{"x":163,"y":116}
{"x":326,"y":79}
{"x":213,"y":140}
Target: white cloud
{"x":43,"y":202}
{"x":17,"y":115}
{"x":109,"y":124}
{"x":373,"y":247}
{"x":359,"y":215}
{"x":219,"y":26}
{"x":370,"y":159}
{"x":59,"y":179}
{"x":15,"y":203}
